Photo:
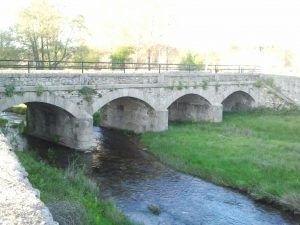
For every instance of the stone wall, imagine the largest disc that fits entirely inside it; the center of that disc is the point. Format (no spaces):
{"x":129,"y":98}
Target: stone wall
{"x":289,"y":86}
{"x":19,"y":201}
{"x":155,"y":94}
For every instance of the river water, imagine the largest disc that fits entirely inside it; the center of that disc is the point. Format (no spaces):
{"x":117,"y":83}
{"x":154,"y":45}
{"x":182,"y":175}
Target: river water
{"x":134,"y":179}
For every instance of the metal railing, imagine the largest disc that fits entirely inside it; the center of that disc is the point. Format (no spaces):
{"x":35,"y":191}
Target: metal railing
{"x":30,"y":65}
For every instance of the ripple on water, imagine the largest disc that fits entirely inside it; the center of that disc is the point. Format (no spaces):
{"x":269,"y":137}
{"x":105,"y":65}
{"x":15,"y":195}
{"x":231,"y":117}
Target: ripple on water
{"x":135,"y":179}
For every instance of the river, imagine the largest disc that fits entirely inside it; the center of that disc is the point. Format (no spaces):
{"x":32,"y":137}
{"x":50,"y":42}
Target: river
{"x":134,"y":179}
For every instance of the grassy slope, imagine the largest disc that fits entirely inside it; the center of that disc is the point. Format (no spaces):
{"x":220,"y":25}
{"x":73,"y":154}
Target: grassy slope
{"x":59,"y":186}
{"x":258,"y":152}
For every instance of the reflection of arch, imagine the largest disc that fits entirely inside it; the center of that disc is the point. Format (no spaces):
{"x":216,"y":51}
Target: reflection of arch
{"x":238,"y":101}
{"x":46,"y":97}
{"x":111,"y":96}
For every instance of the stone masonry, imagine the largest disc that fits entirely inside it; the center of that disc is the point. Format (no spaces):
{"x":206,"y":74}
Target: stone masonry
{"x":61,"y":105}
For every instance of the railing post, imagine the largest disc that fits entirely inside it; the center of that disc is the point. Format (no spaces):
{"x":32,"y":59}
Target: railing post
{"x":28,"y":66}
{"x":158,"y":68}
{"x":189,"y":68}
{"x":81,"y":67}
{"x":216,"y":69}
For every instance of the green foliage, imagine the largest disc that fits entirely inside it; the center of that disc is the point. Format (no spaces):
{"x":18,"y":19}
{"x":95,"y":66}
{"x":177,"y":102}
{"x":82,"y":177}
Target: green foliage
{"x":39,"y":90}
{"x":51,"y":155}
{"x":3,"y":122}
{"x":180,"y":86}
{"x":190,"y":62}
{"x":96,"y":118}
{"x":269,"y":81}
{"x":53,"y":36}
{"x":154,"y":209}
{"x":8,"y":45}
{"x":55,"y":138}
{"x":120,"y":56}
{"x":22,"y":128}
{"x":258,"y":83}
{"x":85,"y":53}
{"x":87,"y":93}
{"x":9,"y":90}
{"x":205,"y":84}
{"x":60,"y":189}
{"x":258,"y":152}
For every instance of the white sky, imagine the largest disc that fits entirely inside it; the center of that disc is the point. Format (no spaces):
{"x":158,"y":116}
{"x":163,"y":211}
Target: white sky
{"x":193,"y":24}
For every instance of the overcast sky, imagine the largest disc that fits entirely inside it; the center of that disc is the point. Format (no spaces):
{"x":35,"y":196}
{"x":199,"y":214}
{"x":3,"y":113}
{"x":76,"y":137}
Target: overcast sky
{"x":183,"y":23}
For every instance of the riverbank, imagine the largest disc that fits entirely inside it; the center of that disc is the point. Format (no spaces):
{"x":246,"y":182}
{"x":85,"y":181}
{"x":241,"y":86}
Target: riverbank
{"x":19,"y":201}
{"x":71,"y":197}
{"x":256,"y":152}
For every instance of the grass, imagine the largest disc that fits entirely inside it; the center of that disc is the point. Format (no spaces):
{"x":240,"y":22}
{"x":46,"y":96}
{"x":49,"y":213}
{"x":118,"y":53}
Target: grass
{"x":71,"y":197}
{"x":257,"y":152}
{"x":96,"y":118}
{"x":154,"y":209}
{"x":3,"y":122}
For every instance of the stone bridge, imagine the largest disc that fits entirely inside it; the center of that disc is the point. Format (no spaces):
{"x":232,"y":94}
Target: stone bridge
{"x":61,"y":105}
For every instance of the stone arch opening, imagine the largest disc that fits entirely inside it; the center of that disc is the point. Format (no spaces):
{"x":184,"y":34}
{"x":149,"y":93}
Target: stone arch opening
{"x":55,"y":124}
{"x":191,"y":107}
{"x":46,"y":98}
{"x":238,"y":101}
{"x":128,"y":113}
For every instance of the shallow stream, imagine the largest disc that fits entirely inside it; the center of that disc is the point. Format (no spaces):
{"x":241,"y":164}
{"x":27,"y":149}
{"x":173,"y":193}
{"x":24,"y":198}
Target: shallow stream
{"x":134,"y":179}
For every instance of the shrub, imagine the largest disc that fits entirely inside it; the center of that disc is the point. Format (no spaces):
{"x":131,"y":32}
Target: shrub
{"x":87,"y":93}
{"x":205,"y":84}
{"x":9,"y":90}
{"x":39,"y":89}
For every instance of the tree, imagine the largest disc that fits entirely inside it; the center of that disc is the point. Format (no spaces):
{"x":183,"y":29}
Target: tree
{"x":120,"y":56}
{"x":85,"y":53}
{"x":8,"y":45}
{"x":46,"y":33}
{"x":191,"y":62}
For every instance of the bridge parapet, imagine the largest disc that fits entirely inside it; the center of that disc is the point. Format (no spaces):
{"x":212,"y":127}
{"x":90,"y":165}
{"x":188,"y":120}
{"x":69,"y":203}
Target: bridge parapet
{"x":76,"y":80}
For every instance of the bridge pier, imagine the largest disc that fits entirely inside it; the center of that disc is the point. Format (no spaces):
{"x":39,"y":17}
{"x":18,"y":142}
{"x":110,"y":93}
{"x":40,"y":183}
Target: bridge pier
{"x":56,"y":125}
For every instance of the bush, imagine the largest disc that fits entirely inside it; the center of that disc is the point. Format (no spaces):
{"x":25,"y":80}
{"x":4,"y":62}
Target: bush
{"x":120,"y":56}
{"x":9,"y":90}
{"x":190,"y":62}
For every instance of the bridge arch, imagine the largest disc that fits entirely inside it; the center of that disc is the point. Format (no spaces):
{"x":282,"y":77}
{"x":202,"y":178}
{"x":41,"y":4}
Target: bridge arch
{"x":193,"y":107}
{"x":53,"y":118}
{"x":129,"y":110}
{"x":117,"y":94}
{"x":238,"y":101}
{"x":46,"y":98}
{"x":174,"y":96}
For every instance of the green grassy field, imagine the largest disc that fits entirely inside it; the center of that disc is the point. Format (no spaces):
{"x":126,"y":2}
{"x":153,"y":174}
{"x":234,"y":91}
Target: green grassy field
{"x":257,"y":152}
{"x":71,"y":197}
